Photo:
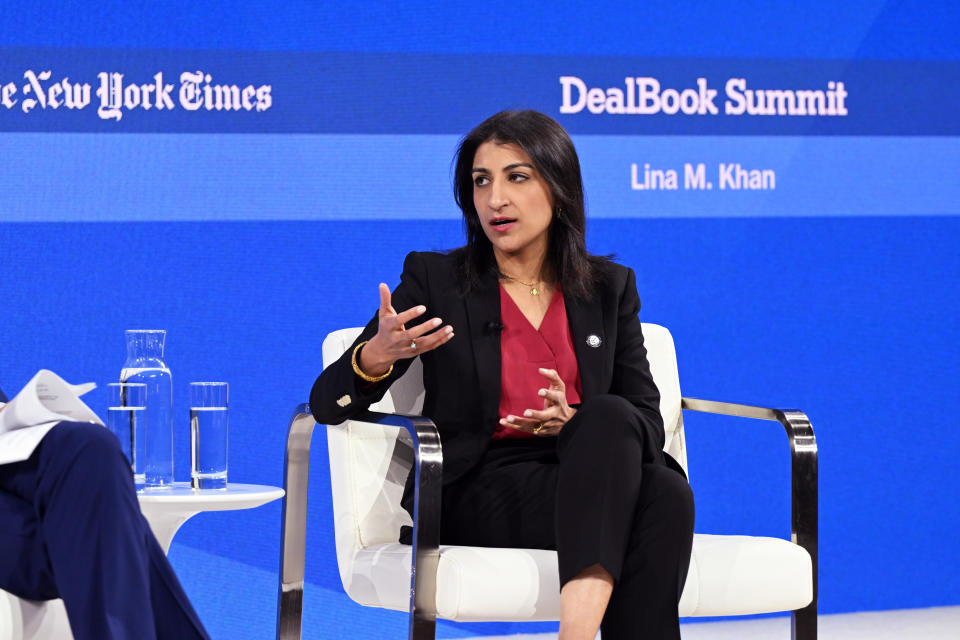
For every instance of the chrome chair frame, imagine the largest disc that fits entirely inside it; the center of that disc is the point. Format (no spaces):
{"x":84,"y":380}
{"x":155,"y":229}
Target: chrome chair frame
{"x":804,"y":494}
{"x":428,"y":474}
{"x":428,"y":467}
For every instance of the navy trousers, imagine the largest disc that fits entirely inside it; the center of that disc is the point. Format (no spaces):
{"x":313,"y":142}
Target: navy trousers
{"x":600,"y":493}
{"x":71,"y":528}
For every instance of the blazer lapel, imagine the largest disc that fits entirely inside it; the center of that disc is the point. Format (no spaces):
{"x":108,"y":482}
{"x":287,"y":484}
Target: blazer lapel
{"x":483,"y":316}
{"x":586,"y":320}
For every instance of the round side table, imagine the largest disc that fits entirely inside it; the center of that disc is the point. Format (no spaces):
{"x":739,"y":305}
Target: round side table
{"x":167,"y":509}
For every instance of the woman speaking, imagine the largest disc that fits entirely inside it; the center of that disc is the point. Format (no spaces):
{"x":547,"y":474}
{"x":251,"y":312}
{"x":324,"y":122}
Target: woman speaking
{"x":537,"y":379}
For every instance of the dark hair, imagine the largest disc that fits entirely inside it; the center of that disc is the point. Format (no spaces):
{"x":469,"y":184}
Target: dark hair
{"x":554,"y":156}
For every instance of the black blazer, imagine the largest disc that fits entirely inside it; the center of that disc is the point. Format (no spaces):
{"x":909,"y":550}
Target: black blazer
{"x":462,"y":378}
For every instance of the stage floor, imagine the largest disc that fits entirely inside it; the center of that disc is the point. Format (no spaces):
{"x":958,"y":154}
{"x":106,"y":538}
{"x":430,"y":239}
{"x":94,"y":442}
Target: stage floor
{"x":937,"y":623}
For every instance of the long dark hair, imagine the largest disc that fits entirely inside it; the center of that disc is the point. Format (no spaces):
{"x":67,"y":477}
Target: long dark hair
{"x":554,"y":156}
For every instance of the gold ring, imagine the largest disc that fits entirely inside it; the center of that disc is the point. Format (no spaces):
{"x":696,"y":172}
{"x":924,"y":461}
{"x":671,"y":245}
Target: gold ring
{"x":413,"y":345}
{"x":538,"y":427}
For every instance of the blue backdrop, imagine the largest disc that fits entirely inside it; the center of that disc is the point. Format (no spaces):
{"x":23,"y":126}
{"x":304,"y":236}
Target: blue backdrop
{"x":250,"y":233}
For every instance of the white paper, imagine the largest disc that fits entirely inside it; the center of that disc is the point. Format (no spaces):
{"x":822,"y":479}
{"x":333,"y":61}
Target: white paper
{"x":19,"y":445}
{"x":46,"y":400}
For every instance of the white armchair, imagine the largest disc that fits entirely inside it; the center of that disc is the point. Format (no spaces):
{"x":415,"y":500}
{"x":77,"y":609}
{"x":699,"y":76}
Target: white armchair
{"x":369,"y":461}
{"x":32,"y":619}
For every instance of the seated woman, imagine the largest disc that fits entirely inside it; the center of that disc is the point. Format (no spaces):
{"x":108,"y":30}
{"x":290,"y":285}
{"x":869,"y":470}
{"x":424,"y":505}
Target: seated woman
{"x":71,"y":528}
{"x":537,"y":378}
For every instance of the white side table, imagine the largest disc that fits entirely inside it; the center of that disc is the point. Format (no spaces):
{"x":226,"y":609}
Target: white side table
{"x":167,"y":509}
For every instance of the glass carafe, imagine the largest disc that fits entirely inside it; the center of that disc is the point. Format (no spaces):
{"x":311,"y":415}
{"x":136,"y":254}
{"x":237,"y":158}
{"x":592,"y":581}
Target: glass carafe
{"x":145,"y":364}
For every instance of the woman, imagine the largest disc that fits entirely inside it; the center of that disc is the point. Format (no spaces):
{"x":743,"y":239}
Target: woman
{"x":539,"y":385}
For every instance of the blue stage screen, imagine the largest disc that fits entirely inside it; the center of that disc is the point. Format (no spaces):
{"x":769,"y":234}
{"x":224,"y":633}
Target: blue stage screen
{"x":784,"y":180}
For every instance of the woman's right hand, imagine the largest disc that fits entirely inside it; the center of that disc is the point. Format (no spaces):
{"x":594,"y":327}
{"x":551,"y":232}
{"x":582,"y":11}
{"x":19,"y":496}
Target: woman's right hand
{"x":394,"y":341}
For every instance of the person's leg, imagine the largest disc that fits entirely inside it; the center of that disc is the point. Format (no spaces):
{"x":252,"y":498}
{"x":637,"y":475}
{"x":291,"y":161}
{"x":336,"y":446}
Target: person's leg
{"x":644,"y":601}
{"x":608,"y":473}
{"x":105,"y":562}
{"x":507,"y":501}
{"x":90,"y":526}
{"x":586,"y":504}
{"x":583,"y":601}
{"x":24,"y":568}
{"x":173,"y":615}
{"x":601,"y":454}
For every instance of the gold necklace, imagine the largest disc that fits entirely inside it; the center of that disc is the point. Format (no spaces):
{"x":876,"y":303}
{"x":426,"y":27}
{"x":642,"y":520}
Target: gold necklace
{"x":534,"y":291}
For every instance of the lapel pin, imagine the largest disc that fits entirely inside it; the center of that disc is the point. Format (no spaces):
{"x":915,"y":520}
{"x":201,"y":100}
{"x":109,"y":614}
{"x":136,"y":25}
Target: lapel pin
{"x":593,"y":340}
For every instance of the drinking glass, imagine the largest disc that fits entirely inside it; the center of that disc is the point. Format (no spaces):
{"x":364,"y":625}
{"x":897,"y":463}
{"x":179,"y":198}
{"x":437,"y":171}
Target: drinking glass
{"x":208,"y":435}
{"x":128,"y":401}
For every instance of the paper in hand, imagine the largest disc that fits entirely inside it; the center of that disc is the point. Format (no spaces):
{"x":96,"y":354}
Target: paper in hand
{"x":46,"y":400}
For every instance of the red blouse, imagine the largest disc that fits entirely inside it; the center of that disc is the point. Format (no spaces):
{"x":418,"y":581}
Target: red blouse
{"x":523,"y":350}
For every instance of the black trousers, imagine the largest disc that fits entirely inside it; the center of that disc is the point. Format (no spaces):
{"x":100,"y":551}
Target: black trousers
{"x":70,"y":527}
{"x":598,"y":494}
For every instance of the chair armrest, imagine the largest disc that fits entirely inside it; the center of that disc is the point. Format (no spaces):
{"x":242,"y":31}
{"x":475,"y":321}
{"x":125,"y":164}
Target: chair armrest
{"x":427,"y":491}
{"x":293,"y":527}
{"x":425,"y":557}
{"x":803,"y":465}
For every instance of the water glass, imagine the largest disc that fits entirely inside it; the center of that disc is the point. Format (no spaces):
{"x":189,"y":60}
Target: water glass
{"x":125,"y":413}
{"x":208,"y":435}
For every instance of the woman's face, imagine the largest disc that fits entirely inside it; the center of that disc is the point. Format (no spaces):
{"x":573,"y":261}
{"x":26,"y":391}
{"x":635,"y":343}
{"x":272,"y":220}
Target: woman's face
{"x":513,"y":201}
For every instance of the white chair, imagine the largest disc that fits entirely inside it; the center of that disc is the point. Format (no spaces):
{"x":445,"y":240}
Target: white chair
{"x":369,"y":461}
{"x":32,"y":619}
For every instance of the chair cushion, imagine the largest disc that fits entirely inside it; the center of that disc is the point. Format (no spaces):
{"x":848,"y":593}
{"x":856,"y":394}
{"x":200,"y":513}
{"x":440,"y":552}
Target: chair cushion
{"x":11,"y":621}
{"x":729,"y":575}
{"x":740,"y":575}
{"x":33,"y":619}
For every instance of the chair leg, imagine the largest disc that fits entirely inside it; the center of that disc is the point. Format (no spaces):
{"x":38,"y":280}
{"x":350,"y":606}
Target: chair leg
{"x":803,"y":623}
{"x":423,"y":626}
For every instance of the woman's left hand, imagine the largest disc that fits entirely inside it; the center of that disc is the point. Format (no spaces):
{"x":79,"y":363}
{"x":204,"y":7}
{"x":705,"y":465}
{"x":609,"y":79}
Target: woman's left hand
{"x":555,"y":413}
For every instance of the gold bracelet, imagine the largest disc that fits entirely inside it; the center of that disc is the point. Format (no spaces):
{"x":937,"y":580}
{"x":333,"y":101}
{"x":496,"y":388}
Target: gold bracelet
{"x":357,"y":370}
